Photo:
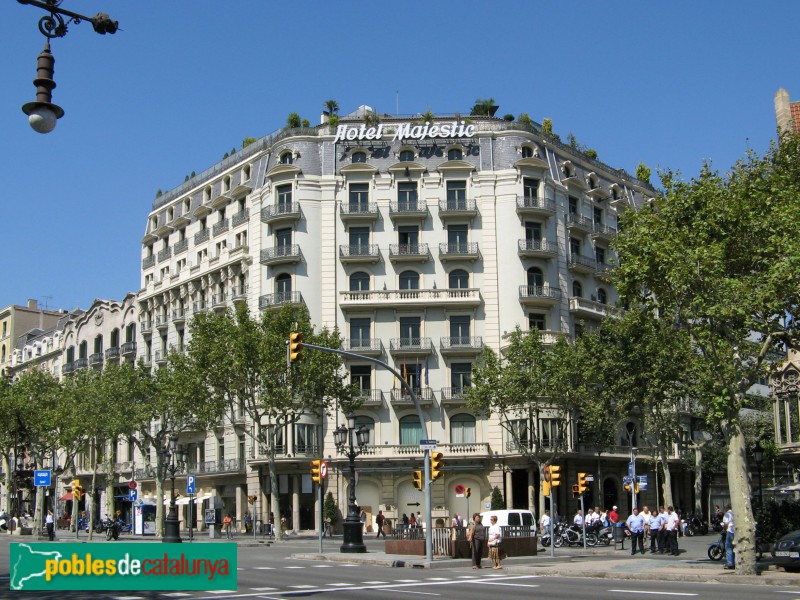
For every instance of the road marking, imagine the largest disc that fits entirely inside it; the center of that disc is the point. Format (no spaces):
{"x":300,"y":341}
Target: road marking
{"x":406,"y":580}
{"x":374,"y":582}
{"x":263,"y":589}
{"x":301,"y":587}
{"x":176,"y":595}
{"x":322,"y":566}
{"x":340,"y":584}
{"x":265,"y":568}
{"x":420,"y":593}
{"x":436,"y":579}
{"x":653,"y":593}
{"x":294,"y":567}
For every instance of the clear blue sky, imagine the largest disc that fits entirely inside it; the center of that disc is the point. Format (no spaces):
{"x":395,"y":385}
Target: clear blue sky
{"x":668,"y":83}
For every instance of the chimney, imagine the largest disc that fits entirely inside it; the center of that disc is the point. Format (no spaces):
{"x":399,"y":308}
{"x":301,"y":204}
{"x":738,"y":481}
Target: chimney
{"x":324,"y":117}
{"x":33,"y":304}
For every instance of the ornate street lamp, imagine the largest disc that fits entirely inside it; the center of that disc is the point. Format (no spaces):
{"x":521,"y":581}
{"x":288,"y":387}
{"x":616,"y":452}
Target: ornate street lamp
{"x":42,"y":113}
{"x":343,"y":437}
{"x":172,"y":532}
{"x":758,"y":457}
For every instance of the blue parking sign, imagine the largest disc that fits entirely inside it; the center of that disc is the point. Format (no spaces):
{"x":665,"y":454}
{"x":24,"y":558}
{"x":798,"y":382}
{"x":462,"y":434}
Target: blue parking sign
{"x":190,"y":479}
{"x":132,"y":495}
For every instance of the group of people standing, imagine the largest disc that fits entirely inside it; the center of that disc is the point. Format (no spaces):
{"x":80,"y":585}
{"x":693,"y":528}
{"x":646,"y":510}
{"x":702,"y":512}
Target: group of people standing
{"x":661,"y":525}
{"x":479,"y":534}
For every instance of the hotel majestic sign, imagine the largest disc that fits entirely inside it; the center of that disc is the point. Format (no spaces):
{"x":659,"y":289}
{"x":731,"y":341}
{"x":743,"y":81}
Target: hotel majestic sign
{"x":406,"y":131}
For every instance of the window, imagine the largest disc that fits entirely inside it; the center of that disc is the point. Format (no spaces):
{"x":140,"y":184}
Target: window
{"x":187,"y":205}
{"x":359,"y":197}
{"x":409,"y":330}
{"x":536,"y":279}
{"x":359,"y":240}
{"x":283,"y":238}
{"x":407,"y":196}
{"x":284,"y":198}
{"x":518,"y":430}
{"x":530,"y":188}
{"x":409,"y":280}
{"x":551,"y":433}
{"x":305,"y":438}
{"x":360,"y":331}
{"x":410,"y":430}
{"x":359,"y":157}
{"x":361,"y":378}
{"x":460,"y":330}
{"x":462,"y":429}
{"x":220,"y":450}
{"x":130,"y":332}
{"x":457,"y":238}
{"x":460,"y":376}
{"x":412,"y":373}
{"x":598,"y":215}
{"x":406,"y":155}
{"x":241,"y":448}
{"x":246,"y":173}
{"x":456,"y":195}
{"x":527,"y":152}
{"x":602,"y":297}
{"x":369,"y":424}
{"x":408,"y":238}
{"x":226,"y":183}
{"x":592,"y":181}
{"x":114,"y":338}
{"x":533,"y":234}
{"x":455,"y":154}
{"x":600,"y":255}
{"x":278,"y":437}
{"x":359,"y":282}
{"x":458,"y":279}
{"x":574,"y":247}
{"x":537,"y":321}
{"x":287,"y":158}
{"x":573,"y":205}
{"x":577,"y":289}
{"x":83,"y":350}
{"x":283,"y":287}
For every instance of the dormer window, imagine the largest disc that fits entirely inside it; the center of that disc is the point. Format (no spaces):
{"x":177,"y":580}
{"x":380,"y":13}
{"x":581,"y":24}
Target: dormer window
{"x":455,"y":154}
{"x":592,"y":182}
{"x":170,"y":214}
{"x":359,"y":157}
{"x":286,"y":158}
{"x":569,"y":171}
{"x":246,"y":173}
{"x":207,"y":194}
{"x":226,"y":183}
{"x":527,"y":152}
{"x":406,"y":156}
{"x":153,"y":223}
{"x":187,"y":205}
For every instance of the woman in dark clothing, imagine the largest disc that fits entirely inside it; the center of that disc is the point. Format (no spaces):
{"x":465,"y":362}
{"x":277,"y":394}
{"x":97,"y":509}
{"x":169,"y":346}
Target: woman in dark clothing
{"x":477,"y":538}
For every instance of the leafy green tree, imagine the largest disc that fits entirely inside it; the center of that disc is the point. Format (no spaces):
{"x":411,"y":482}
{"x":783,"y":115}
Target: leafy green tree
{"x":331,"y":510}
{"x":484,"y":106}
{"x":293,"y":121}
{"x":591,"y":153}
{"x":547,"y":126}
{"x":720,"y":255}
{"x":643,"y":172}
{"x":525,"y":119}
{"x":242,"y":365}
{"x":497,"y":502}
{"x":332,"y":106}
{"x":247,"y":141}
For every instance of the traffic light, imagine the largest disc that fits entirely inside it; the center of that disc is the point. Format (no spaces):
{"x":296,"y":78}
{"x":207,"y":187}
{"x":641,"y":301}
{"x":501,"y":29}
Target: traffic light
{"x":295,"y":346}
{"x":316,"y":474}
{"x":467,"y":492}
{"x":545,"y":488}
{"x":417,"y":479}
{"x":77,"y":490}
{"x":582,"y":485}
{"x":437,"y":464}
{"x":576,"y":492}
{"x":251,"y":499}
{"x":555,"y":475}
{"x":627,"y":486}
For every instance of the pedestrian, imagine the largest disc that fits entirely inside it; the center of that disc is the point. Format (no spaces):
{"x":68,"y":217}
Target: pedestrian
{"x":728,"y":528}
{"x":328,"y":527}
{"x":544,"y":522}
{"x":645,"y":512}
{"x":495,"y":536}
{"x":271,"y":524}
{"x":405,"y":521}
{"x":456,"y":520}
{"x":226,"y":525}
{"x":363,"y":518}
{"x":613,"y":516}
{"x":51,"y":526}
{"x":379,"y":520}
{"x":635,"y":525}
{"x":577,"y":520}
{"x":671,"y":527}
{"x":662,"y":534}
{"x":654,"y":525}
{"x":476,"y":535}
{"x":248,"y":521}
{"x":412,"y":520}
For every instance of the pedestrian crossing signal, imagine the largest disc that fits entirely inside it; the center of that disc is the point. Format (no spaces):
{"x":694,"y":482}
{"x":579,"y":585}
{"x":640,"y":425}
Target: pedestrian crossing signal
{"x":417,"y":480}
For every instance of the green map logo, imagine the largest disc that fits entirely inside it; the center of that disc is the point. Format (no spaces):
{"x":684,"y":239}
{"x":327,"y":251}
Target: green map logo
{"x":123,"y":566}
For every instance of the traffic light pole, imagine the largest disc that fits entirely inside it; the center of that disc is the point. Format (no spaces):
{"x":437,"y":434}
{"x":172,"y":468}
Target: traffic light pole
{"x":427,"y":454}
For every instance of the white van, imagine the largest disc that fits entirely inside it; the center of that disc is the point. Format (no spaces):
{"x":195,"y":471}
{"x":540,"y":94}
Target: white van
{"x":514,"y":518}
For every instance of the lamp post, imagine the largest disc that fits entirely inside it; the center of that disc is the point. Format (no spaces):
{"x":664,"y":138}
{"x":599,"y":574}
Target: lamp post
{"x":172,"y":533}
{"x":758,"y":457}
{"x":42,"y":113}
{"x":343,"y":437}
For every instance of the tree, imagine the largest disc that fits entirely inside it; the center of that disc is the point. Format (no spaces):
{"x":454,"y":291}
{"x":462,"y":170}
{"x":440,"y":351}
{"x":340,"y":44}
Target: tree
{"x":247,"y":141}
{"x":497,"y":502}
{"x":643,"y":173}
{"x":484,"y":106}
{"x":547,"y":126}
{"x":720,"y":256}
{"x":331,"y":510}
{"x":241,"y":363}
{"x":332,"y":106}
{"x":293,"y":121}
{"x":525,"y":119}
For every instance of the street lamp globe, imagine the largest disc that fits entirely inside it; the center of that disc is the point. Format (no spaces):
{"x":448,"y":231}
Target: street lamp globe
{"x":41,"y":117}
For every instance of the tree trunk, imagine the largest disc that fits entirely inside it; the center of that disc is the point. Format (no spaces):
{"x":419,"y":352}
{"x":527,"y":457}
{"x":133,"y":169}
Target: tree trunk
{"x":739,"y":486}
{"x":92,"y":507}
{"x":667,"y":475}
{"x":275,"y":500}
{"x":698,"y":479}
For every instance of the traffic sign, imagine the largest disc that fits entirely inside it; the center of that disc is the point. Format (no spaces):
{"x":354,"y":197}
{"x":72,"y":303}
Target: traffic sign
{"x":428,"y":444}
{"x":642,"y":482}
{"x":132,"y":495}
{"x":131,"y":485}
{"x":459,"y":490}
{"x":323,"y":470}
{"x":42,"y":478}
{"x":191,"y":478}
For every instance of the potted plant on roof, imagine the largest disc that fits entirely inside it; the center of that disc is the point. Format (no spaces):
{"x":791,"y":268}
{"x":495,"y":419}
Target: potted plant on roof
{"x":484,"y":107}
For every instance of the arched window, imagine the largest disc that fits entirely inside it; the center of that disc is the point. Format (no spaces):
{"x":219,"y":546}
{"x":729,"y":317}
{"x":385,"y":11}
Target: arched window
{"x":410,"y":430}
{"x":283,"y":287}
{"x":406,"y":155}
{"x":359,"y":282}
{"x":462,"y":429}
{"x":527,"y":152}
{"x":455,"y":154}
{"x":369,"y":423}
{"x":577,"y":289}
{"x":287,"y":158}
{"x":459,"y":279}
{"x":359,"y":157}
{"x":602,"y":297}
{"x":535,"y":278}
{"x":409,"y":280}
{"x":83,"y":350}
{"x":130,"y":332}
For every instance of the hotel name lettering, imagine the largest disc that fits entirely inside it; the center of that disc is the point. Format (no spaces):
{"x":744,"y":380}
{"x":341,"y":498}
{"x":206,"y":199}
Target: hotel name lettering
{"x":406,"y":131}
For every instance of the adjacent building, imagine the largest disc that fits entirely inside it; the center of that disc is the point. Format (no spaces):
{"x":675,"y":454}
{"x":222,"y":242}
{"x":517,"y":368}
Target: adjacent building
{"x":787,"y":113}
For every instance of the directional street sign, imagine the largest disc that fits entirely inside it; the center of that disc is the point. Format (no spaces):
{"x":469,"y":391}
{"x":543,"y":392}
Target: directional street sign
{"x":132,"y":495}
{"x":428,"y":444}
{"x":42,"y":478}
{"x":190,"y":481}
{"x":642,"y":482}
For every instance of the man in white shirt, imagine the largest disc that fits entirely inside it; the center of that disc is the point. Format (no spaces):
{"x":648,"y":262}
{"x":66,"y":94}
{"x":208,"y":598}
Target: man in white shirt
{"x":544,"y":522}
{"x":671,"y":527}
{"x":656,"y":539}
{"x":728,"y":528}
{"x":577,"y":521}
{"x":635,"y":525}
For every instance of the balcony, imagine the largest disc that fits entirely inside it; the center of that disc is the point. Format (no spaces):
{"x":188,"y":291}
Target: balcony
{"x":535,"y":206}
{"x":179,"y":317}
{"x":96,"y":359}
{"x":229,"y":465}
{"x":581,"y":264}
{"x":461,"y":346}
{"x":453,"y":396}
{"x":459,"y":251}
{"x":411,"y":346}
{"x":201,"y":236}
{"x":358,"y":211}
{"x":68,"y":368}
{"x":369,"y":398}
{"x":413,"y":451}
{"x":221,"y":201}
{"x":147,"y":360}
{"x":280,"y":255}
{"x":240,"y":217}
{"x":239,"y":293}
{"x":591,"y":309}
{"x":112,"y":353}
{"x":81,"y":363}
{"x":218,"y":303}
{"x":161,"y":357}
{"x":448,"y":297}
{"x":287,"y":211}
{"x":164,"y":254}
{"x":365,"y":346}
{"x":579,"y":223}
{"x":402,"y":398}
{"x":199,"y":306}
{"x":180,"y":246}
{"x":537,"y":249}
{"x":161,"y":322}
{"x":408,"y":210}
{"x":148,"y":261}
{"x":603,"y":232}
{"x":220,"y":227}
{"x":129,"y":349}
{"x":277,"y":300}
{"x":146,"y":327}
{"x":457,"y":209}
{"x":408,"y":253}
{"x":603,"y":272}
{"x":539,"y":295}
{"x":359,"y":253}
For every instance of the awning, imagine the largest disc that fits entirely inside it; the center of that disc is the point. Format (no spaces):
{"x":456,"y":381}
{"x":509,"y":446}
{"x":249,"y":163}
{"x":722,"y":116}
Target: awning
{"x":199,"y":499}
{"x":66,"y":497}
{"x":785,"y":487}
{"x":182,"y":501}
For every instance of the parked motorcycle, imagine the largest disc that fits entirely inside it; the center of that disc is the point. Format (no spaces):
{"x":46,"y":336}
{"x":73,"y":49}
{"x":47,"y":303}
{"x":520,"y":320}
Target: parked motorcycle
{"x":124,"y":527}
{"x":695,"y":526}
{"x":716,"y":550}
{"x":605,"y":535}
{"x":573,"y":536}
{"x":111,"y":528}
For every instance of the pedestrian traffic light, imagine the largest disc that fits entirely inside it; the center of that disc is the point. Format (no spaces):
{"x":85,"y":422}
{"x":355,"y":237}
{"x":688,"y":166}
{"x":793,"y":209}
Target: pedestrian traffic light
{"x":295,"y":346}
{"x":545,"y":488}
{"x":576,"y":492}
{"x":555,"y":475}
{"x":583,"y":487}
{"x":77,"y":490}
{"x":316,"y":471}
{"x":467,"y":492}
{"x":417,"y":479}
{"x":437,"y":464}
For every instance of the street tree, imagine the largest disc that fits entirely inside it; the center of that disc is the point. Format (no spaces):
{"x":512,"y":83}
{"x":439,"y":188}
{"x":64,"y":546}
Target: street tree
{"x":242,"y":363}
{"x":720,"y":257}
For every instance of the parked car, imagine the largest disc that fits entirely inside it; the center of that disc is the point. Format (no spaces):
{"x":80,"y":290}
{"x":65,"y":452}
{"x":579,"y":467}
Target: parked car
{"x":517,"y":518}
{"x":787,"y":552}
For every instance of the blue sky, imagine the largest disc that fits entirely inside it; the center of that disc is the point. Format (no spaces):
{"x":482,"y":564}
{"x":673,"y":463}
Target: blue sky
{"x":668,"y":83}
